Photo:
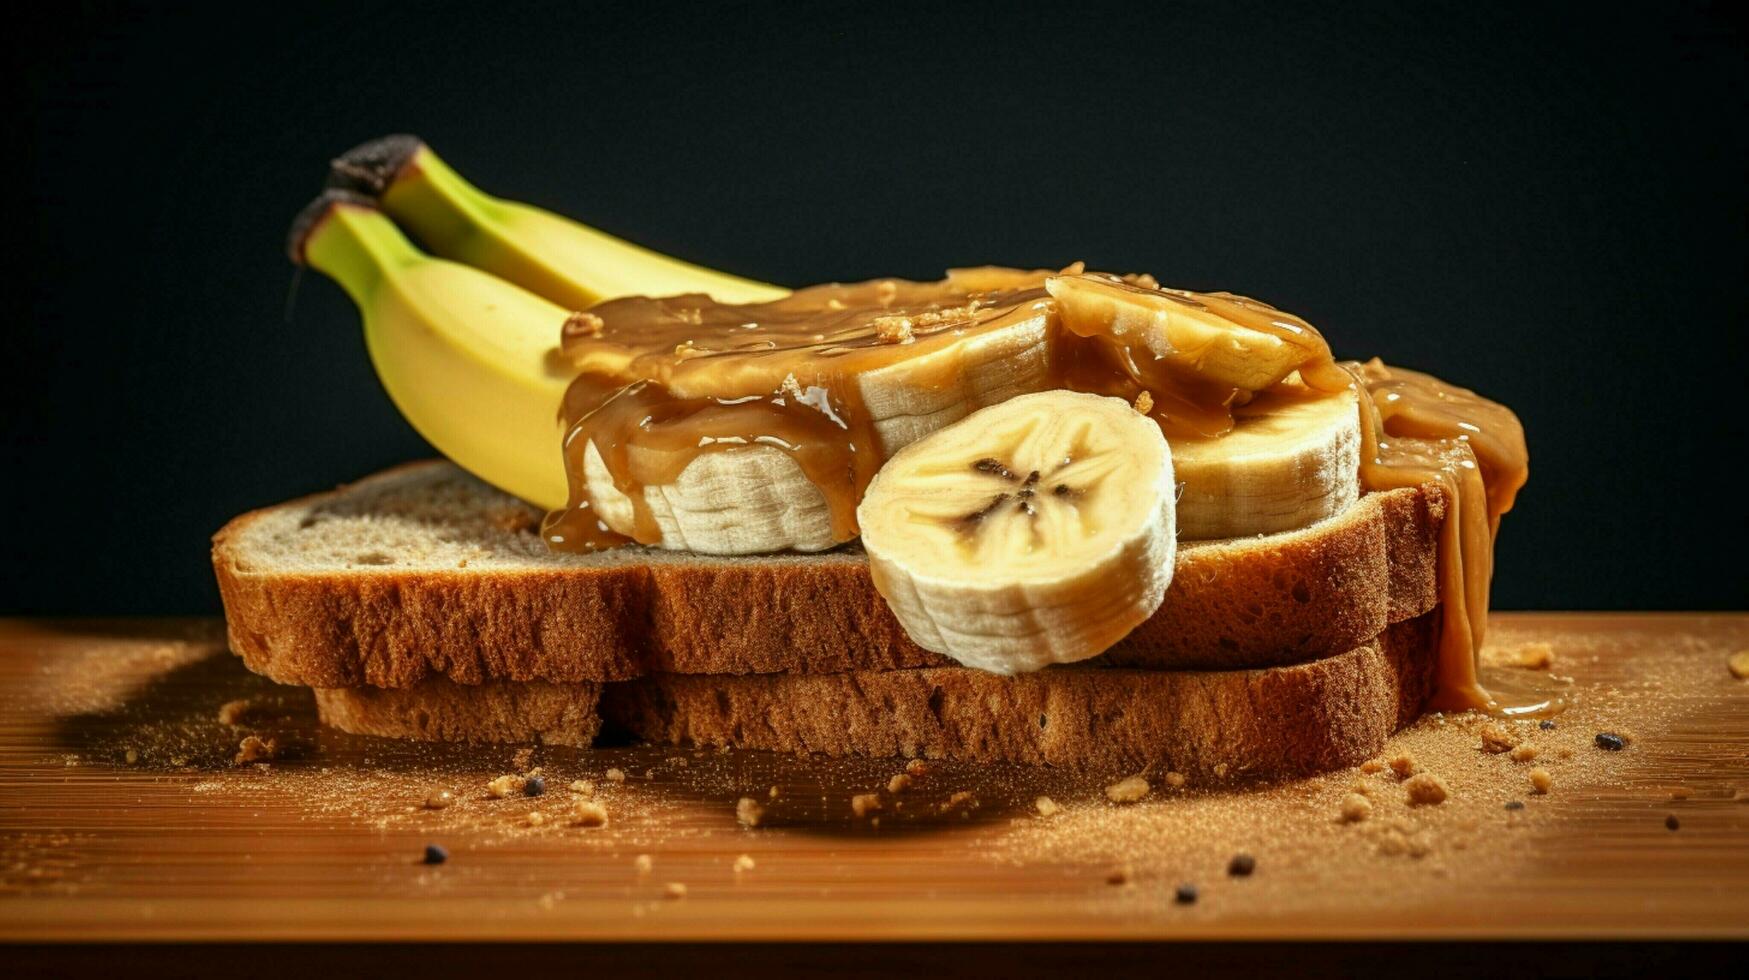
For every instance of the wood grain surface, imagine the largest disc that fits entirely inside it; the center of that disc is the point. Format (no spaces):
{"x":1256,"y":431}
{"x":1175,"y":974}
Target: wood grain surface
{"x":124,"y":815}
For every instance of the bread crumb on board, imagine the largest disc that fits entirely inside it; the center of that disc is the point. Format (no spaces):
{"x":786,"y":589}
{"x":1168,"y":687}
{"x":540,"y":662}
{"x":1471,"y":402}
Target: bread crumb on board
{"x":1541,"y":781}
{"x":1355,"y":808}
{"x":1739,"y":665}
{"x":1403,"y":764}
{"x":1046,"y":806}
{"x":744,"y":864}
{"x":1426,"y":789}
{"x":1127,"y":790}
{"x":588,"y":813}
{"x":254,"y":748}
{"x":863,"y":804}
{"x":748,"y":812}
{"x":1497,"y":739}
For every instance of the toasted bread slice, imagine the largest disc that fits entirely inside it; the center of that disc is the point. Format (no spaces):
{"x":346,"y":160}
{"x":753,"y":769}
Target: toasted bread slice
{"x":424,"y":571}
{"x":1309,"y":717}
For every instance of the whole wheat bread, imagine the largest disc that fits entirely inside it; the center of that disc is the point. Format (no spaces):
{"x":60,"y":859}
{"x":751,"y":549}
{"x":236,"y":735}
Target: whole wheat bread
{"x":423,"y":571}
{"x":1307,"y":717}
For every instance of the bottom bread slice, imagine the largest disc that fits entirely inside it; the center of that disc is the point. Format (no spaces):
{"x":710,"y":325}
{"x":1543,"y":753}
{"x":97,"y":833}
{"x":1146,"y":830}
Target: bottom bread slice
{"x":440,"y":710}
{"x":1309,"y":717}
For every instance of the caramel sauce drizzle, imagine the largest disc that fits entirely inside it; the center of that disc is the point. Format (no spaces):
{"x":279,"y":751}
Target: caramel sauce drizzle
{"x":664,"y":380}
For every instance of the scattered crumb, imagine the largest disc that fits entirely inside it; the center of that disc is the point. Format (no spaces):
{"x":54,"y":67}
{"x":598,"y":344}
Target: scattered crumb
{"x":962,"y":797}
{"x":1175,"y":780}
{"x":583,"y":787}
{"x":616,"y":776}
{"x":1403,"y":764}
{"x":674,"y":891}
{"x":743,"y":864}
{"x":131,"y":757}
{"x":536,"y":819}
{"x":1540,"y":780}
{"x":863,"y":804}
{"x":748,"y":812}
{"x":1144,"y":403}
{"x":1360,"y":786}
{"x":1524,"y":752}
{"x":588,"y":813}
{"x":1426,"y":789}
{"x":1355,"y":808}
{"x":504,"y":786}
{"x":899,"y":783}
{"x":916,"y":769}
{"x":772,"y":793}
{"x":1679,"y":793}
{"x":1497,"y":739}
{"x":1127,"y":790}
{"x":439,"y":799}
{"x":1739,"y":664}
{"x":1119,"y":875}
{"x":233,"y":712}
{"x":1046,"y":806}
{"x":254,"y":748}
{"x":1371,"y":766}
{"x":643,"y":863}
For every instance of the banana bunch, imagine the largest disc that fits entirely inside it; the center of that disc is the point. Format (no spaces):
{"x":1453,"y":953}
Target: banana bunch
{"x":463,"y":340}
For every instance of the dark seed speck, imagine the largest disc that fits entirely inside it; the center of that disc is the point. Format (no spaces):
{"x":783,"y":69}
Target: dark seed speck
{"x":1671,"y":823}
{"x":534,"y":786}
{"x":1241,"y":865}
{"x":435,"y":854}
{"x":1546,"y":725}
{"x":1610,"y":742}
{"x":1185,"y":894}
{"x":1514,"y":804}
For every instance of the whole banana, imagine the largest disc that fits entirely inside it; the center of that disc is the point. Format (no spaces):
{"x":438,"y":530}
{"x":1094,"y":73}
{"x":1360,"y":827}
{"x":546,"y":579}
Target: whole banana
{"x":464,"y":355}
{"x":570,"y":264}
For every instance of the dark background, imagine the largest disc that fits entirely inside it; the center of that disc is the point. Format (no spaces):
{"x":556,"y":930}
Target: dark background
{"x":1545,"y":204}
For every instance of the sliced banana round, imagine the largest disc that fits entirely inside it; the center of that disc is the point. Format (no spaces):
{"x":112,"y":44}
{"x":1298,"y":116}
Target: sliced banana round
{"x":1291,"y":459}
{"x":1032,"y":532}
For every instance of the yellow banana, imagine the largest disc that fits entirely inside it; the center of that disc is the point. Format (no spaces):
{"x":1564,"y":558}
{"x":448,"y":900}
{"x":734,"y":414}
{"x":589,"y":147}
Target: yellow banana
{"x":464,"y":355}
{"x":571,"y":264}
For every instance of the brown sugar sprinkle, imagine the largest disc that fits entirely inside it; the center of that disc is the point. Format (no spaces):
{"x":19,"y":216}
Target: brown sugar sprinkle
{"x":863,"y":804}
{"x":1739,"y":665}
{"x":233,"y":712}
{"x":1541,"y":781}
{"x":748,"y":812}
{"x":1403,"y":764}
{"x":1355,"y":808}
{"x":588,"y":813}
{"x":899,"y":783}
{"x":1127,"y":790}
{"x":1426,"y":789}
{"x":254,"y":748}
{"x":893,"y":329}
{"x":1144,"y":403}
{"x":1496,"y":739}
{"x":1525,"y":752}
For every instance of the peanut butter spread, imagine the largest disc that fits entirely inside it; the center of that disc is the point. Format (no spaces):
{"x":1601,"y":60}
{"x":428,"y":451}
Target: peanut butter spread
{"x":833,"y":375}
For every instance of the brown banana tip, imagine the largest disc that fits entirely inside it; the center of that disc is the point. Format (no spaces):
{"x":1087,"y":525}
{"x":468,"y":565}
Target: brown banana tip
{"x":369,"y":168}
{"x":310,"y":218}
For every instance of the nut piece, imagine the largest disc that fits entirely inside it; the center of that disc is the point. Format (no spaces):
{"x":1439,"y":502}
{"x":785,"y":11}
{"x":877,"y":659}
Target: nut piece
{"x":1046,"y":806}
{"x":893,"y":329}
{"x":254,"y":748}
{"x":1739,"y":665}
{"x":1355,"y":808}
{"x":1540,"y":780}
{"x":1496,"y":739}
{"x":748,"y":812}
{"x":1403,"y":764}
{"x":588,"y":813}
{"x":583,"y":325}
{"x":863,"y":804}
{"x":1426,"y":789}
{"x":1127,"y":790}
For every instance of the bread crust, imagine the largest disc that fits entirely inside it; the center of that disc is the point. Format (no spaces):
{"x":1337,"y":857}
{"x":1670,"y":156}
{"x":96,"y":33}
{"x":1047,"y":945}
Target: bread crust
{"x":1252,"y":602}
{"x":1281,"y":721}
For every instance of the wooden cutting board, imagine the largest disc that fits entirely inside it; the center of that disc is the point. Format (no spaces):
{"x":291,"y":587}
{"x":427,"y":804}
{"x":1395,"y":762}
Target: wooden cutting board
{"x":125,"y":816}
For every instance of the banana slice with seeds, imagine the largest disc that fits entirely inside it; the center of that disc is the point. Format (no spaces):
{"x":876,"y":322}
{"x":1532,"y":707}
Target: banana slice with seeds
{"x":1036,"y":531}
